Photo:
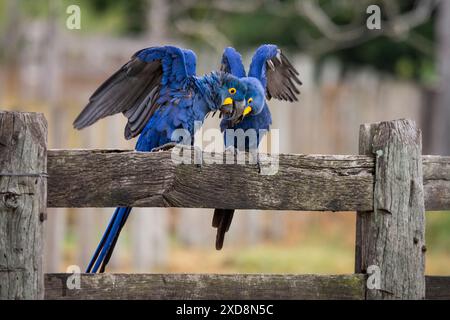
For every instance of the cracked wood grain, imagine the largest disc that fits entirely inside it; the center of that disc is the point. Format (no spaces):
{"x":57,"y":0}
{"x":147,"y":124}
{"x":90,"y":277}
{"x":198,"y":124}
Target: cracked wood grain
{"x":216,"y":286}
{"x":109,"y":178}
{"x":392,"y":236}
{"x":23,"y":147}
{"x":206,"y":286}
{"x":96,"y":178}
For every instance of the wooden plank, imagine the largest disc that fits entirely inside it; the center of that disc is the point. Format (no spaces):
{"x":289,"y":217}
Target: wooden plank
{"x":206,"y":286}
{"x":304,"y":182}
{"x":23,"y":188}
{"x":108,"y":178}
{"x":212,"y":286}
{"x":437,"y":288}
{"x":366,"y":133}
{"x":391,"y":239}
{"x":436,"y":182}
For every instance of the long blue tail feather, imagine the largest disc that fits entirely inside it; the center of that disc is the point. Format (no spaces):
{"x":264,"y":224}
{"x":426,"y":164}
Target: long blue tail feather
{"x":113,"y":244}
{"x":107,"y":243}
{"x":102,"y":242}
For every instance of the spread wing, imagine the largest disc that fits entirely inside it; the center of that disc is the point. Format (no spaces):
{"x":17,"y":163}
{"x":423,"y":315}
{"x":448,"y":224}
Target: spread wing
{"x":232,"y":63}
{"x":276,"y":73}
{"x":135,"y":88}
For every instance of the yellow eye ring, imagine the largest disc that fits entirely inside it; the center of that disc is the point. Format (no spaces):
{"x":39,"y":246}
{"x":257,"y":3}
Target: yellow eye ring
{"x":232,"y":90}
{"x":250,"y":100}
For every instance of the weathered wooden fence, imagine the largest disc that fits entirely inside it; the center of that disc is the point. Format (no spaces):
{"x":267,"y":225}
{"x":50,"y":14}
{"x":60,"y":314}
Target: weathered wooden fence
{"x":390,"y":184}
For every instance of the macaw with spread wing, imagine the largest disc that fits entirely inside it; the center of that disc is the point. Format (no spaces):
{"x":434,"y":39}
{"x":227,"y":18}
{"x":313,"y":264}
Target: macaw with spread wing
{"x":159,"y":92}
{"x":279,"y":80}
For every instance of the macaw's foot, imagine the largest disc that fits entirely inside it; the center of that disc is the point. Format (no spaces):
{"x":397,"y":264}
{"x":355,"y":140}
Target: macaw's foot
{"x":198,"y":157}
{"x":258,"y":163}
{"x":267,"y":165}
{"x":165,"y":147}
{"x":232,"y":150}
{"x":234,"y":155}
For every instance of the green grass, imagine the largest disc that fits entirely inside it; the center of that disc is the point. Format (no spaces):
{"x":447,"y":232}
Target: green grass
{"x":304,"y":258}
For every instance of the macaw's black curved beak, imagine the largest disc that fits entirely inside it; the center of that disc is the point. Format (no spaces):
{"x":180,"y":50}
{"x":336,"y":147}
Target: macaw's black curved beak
{"x":233,"y":110}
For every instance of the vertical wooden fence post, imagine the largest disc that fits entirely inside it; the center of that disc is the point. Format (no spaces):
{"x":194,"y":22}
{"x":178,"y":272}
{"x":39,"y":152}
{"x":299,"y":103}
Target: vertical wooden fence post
{"x":390,"y":241}
{"x":23,"y":202}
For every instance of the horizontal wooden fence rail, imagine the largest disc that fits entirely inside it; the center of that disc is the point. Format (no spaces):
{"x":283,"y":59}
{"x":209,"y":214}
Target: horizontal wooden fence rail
{"x":109,"y":178}
{"x":216,"y":287}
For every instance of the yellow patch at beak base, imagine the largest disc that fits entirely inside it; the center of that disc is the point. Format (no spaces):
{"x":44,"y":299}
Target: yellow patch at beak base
{"x":247,"y":111}
{"x":227,"y":101}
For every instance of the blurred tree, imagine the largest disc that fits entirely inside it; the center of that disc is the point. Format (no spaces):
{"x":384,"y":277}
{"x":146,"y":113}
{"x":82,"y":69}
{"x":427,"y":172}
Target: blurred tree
{"x":10,"y":38}
{"x":322,"y":28}
{"x":441,"y":128}
{"x":158,"y":19}
{"x":134,"y":12}
{"x":403,"y":46}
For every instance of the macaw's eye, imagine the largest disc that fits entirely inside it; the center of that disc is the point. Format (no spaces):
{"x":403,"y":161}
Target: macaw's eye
{"x":250,"y":100}
{"x":232,"y":90}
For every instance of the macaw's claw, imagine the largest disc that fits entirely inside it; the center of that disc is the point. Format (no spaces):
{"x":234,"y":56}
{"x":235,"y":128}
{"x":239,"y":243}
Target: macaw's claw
{"x":258,"y":163}
{"x":233,"y":150}
{"x":198,"y":157}
{"x":165,"y":147}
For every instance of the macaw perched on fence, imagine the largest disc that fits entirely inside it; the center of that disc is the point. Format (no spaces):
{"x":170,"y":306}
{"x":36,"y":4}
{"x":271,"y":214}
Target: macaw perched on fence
{"x":279,"y":80}
{"x":159,"y":92}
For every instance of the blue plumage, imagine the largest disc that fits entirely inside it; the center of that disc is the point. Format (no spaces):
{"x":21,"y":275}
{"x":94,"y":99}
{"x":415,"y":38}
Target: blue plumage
{"x":271,"y":75}
{"x":259,"y":118}
{"x":232,"y":62}
{"x":158,"y":91}
{"x":259,"y":61}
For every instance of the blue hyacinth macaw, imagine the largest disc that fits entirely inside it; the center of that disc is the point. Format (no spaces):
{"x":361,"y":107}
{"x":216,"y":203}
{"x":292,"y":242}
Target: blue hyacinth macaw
{"x":159,"y":92}
{"x":279,"y":79}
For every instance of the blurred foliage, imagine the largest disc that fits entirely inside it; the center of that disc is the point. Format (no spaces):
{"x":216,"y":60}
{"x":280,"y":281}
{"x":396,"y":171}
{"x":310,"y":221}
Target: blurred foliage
{"x":276,"y":22}
{"x":282,"y":24}
{"x":132,"y":13}
{"x":120,"y":17}
{"x":438,"y":231}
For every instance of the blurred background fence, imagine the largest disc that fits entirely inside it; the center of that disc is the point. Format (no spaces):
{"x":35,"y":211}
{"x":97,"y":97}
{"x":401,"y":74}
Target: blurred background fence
{"x":47,"y":68}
